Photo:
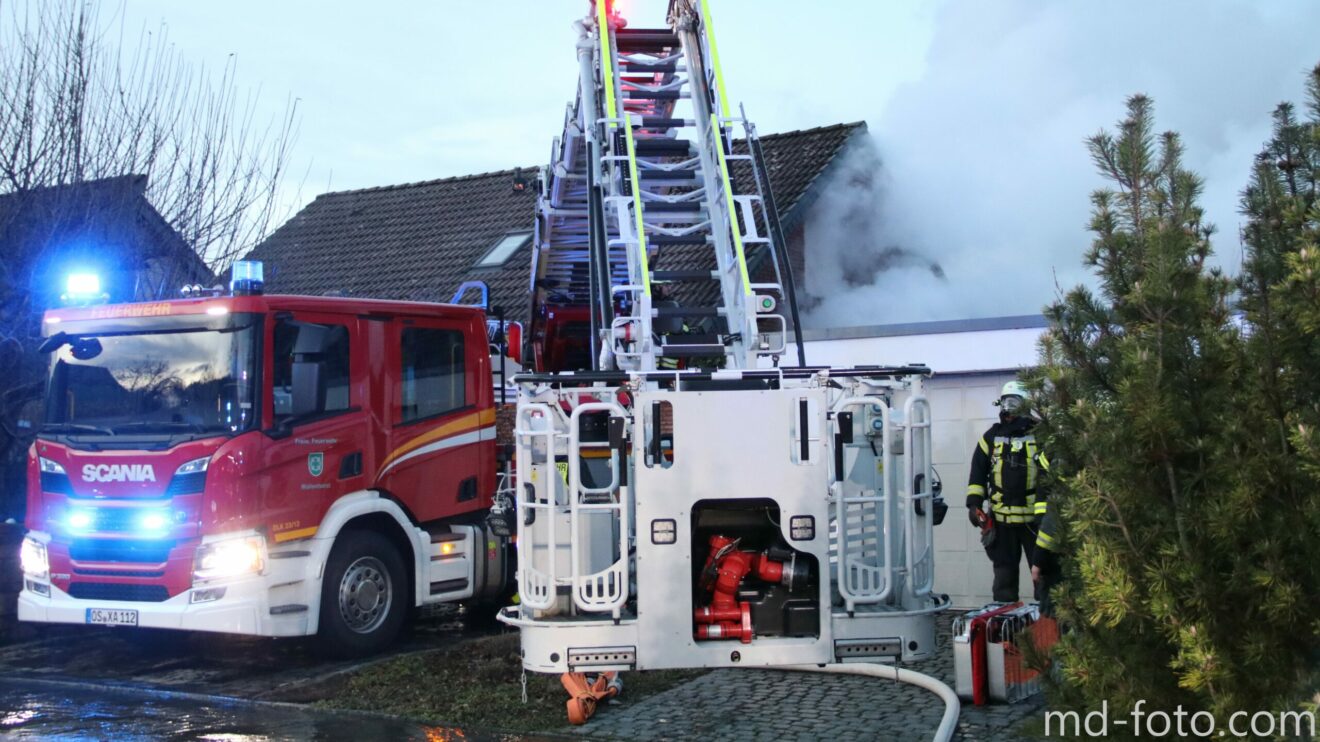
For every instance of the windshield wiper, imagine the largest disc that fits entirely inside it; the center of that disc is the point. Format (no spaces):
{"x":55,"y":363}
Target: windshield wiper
{"x":165,"y":425}
{"x":75,"y":428}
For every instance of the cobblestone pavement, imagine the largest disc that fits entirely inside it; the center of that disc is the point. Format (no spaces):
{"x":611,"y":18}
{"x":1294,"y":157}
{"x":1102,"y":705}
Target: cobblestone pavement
{"x":753,"y":705}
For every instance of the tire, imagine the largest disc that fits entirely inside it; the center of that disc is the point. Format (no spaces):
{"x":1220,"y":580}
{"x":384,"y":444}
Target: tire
{"x":364,"y":596}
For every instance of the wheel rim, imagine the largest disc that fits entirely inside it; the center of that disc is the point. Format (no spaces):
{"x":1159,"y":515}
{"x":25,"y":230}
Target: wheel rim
{"x":365,"y":595}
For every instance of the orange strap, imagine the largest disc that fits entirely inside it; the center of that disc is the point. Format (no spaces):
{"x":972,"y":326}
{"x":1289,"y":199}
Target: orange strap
{"x":585,"y":695}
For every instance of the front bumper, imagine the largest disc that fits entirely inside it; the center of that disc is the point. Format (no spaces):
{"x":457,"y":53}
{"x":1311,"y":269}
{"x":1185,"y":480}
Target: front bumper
{"x":284,"y":600}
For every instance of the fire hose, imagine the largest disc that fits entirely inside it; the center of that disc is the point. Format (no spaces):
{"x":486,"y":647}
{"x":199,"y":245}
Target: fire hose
{"x":952,"y":706}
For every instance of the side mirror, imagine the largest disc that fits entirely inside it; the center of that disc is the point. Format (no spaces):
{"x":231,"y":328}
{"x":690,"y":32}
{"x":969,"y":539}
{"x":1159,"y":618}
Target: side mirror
{"x":54,"y":342}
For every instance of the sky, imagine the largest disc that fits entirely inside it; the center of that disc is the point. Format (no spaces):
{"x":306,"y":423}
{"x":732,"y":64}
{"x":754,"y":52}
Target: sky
{"x":978,"y":111}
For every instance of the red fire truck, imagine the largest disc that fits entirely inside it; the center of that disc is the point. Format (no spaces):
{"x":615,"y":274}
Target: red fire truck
{"x":268,"y":465}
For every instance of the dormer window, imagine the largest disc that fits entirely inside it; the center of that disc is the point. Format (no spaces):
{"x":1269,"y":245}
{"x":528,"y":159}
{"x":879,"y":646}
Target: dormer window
{"x":504,"y":249}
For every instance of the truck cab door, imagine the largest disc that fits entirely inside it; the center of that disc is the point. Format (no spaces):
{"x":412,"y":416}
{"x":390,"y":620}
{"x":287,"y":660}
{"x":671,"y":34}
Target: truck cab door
{"x":439,"y":461}
{"x":319,"y":427}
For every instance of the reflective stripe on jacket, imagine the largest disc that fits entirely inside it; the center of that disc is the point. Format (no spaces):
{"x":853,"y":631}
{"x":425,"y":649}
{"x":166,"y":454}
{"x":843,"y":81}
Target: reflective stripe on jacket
{"x":1007,"y":466}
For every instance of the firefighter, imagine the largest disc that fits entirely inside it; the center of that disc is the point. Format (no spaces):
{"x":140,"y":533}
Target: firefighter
{"x":1006,"y":467}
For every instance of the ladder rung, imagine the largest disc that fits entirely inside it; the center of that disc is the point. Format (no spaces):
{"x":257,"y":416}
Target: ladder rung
{"x":668,"y":239}
{"x":692,"y":351}
{"x":667,"y":175}
{"x":635,"y":66}
{"x":686,"y":311}
{"x":677,"y":339}
{"x":676,"y":275}
{"x":643,"y":38}
{"x":678,"y":207}
{"x":663,"y":145}
{"x":661,"y":122}
{"x":652,"y":95}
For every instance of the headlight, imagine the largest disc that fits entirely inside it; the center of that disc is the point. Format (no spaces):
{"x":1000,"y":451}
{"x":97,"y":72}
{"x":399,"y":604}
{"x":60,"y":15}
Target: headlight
{"x":80,"y":519}
{"x":189,"y":479}
{"x":153,"y":522}
{"x":53,"y":477}
{"x":195,"y":466}
{"x":32,"y":555}
{"x":229,"y":558}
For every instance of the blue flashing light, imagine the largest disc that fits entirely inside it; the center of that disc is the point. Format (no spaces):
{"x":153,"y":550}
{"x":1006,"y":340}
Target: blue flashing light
{"x":82,"y":284}
{"x":247,"y":277}
{"x":153,"y":521}
{"x":83,"y":288}
{"x":79,"y":520}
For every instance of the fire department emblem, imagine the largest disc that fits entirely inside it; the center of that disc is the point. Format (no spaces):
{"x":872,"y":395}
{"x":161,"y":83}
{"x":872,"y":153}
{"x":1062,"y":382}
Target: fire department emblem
{"x":316,"y":463}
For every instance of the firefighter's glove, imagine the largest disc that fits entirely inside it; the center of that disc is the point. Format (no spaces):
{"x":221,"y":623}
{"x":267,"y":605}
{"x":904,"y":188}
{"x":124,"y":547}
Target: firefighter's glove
{"x":1046,"y":561}
{"x":976,"y":516}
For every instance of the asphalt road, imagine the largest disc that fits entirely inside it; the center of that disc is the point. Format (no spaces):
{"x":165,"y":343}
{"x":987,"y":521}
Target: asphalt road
{"x":212,"y":664}
{"x":65,"y":711}
{"x":77,"y":683}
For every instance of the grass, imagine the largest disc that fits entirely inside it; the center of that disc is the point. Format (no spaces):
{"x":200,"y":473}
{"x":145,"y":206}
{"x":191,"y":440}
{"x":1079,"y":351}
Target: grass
{"x":477,"y":684}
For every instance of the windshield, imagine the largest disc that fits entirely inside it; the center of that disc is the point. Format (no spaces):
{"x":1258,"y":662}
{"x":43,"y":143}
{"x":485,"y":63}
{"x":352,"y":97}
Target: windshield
{"x":169,"y":379}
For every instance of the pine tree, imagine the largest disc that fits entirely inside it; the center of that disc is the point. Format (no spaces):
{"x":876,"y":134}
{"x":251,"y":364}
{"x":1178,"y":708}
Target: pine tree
{"x":1280,"y":299}
{"x":1176,"y":425}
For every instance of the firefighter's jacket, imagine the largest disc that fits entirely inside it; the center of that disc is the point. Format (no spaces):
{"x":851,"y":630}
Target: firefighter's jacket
{"x":1007,"y":466}
{"x":1046,"y":555}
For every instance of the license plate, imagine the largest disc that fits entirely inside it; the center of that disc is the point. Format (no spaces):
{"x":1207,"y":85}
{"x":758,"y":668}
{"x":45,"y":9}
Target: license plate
{"x":112,"y":617}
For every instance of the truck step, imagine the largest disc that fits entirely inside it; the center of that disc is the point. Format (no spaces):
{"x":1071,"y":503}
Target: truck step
{"x":449,"y":568}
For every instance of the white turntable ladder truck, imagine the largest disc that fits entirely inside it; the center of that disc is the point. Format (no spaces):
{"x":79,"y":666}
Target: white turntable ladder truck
{"x":686,"y":501}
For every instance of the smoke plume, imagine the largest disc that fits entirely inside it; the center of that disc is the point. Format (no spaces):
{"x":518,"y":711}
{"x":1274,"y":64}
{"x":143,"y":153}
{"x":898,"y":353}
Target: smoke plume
{"x":974,"y":201}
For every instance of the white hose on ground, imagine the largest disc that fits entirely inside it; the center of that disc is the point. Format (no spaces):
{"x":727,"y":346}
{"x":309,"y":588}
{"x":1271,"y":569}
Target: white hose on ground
{"x":952,"y":705}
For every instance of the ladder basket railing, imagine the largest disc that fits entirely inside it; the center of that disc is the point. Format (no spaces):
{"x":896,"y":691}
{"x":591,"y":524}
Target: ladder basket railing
{"x":864,"y":538}
{"x":604,"y":590}
{"x":919,"y":497}
{"x":538,"y":541}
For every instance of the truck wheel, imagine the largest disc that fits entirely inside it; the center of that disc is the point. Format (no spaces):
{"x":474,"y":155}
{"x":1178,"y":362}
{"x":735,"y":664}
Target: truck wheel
{"x":364,"y":597}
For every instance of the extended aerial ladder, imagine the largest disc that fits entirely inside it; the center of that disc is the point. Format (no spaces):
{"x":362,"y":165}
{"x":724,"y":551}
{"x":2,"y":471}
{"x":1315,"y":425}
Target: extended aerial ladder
{"x":645,"y":189}
{"x":684,"y":498}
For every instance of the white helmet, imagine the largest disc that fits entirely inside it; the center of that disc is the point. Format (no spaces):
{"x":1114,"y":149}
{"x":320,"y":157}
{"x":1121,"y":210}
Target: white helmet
{"x":1014,"y":388}
{"x":1012,"y":397}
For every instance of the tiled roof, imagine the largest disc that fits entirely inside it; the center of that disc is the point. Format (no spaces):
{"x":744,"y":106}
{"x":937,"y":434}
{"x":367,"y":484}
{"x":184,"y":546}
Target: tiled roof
{"x":799,"y":162}
{"x":419,"y":241}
